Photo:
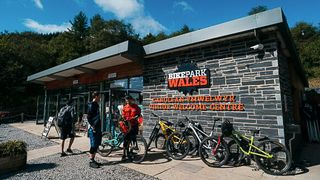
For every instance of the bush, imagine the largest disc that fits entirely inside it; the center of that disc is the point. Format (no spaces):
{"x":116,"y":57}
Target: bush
{"x":12,"y":148}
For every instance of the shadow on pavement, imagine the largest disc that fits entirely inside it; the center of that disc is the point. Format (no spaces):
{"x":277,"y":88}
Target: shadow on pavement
{"x":159,"y":157}
{"x":31,"y":168}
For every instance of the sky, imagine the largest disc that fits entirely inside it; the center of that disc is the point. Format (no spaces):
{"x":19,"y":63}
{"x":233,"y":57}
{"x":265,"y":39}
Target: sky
{"x":146,"y":16}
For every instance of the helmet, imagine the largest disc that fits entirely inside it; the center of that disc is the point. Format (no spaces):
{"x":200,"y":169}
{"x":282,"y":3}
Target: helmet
{"x":226,"y":128}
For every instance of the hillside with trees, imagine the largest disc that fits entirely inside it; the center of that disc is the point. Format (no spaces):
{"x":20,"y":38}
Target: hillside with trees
{"x":25,"y":53}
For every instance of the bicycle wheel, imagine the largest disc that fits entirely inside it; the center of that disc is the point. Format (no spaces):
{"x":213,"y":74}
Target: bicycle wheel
{"x":235,"y":154}
{"x":153,"y":134}
{"x":279,"y":163}
{"x":160,"y":141}
{"x":212,"y":154}
{"x":105,"y":148}
{"x":177,"y":146}
{"x":194,"y":143}
{"x":138,"y":150}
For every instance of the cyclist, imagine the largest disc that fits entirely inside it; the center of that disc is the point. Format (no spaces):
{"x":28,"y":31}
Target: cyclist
{"x":130,"y":112}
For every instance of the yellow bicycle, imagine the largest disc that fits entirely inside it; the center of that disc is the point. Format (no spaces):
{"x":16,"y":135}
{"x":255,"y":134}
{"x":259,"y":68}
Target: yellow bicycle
{"x":160,"y":138}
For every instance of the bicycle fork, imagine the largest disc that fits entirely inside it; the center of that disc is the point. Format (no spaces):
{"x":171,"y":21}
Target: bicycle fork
{"x":214,"y":150}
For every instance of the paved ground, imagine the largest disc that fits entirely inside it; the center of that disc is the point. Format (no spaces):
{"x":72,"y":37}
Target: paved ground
{"x":74,"y":167}
{"x":158,"y":166}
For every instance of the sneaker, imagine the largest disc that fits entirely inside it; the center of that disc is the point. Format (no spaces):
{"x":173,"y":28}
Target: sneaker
{"x":124,"y":158}
{"x":63,"y":154}
{"x":94,"y":164}
{"x":69,"y":151}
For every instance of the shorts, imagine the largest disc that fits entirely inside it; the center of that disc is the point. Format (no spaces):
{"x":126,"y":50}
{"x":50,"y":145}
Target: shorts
{"x":66,"y":132}
{"x":95,"y":138}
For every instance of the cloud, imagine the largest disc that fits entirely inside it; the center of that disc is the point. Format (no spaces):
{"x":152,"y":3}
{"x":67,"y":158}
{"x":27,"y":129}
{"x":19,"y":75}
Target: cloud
{"x":38,"y":4}
{"x":184,"y":5}
{"x":121,"y":8}
{"x":146,"y":24}
{"x":133,"y":12}
{"x":46,"y":28}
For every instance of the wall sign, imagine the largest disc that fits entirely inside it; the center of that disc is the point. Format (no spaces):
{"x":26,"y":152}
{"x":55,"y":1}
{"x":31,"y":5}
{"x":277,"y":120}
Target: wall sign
{"x":197,"y":103}
{"x":112,"y":75}
{"x":188,"y":78}
{"x":75,"y":82}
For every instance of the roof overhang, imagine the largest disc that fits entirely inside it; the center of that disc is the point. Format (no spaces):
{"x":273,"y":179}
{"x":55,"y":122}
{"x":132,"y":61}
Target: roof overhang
{"x":118,"y":54}
{"x":242,"y":25}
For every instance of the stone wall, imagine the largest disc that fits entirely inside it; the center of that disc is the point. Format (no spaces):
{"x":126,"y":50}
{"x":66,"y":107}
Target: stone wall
{"x":251,"y":76}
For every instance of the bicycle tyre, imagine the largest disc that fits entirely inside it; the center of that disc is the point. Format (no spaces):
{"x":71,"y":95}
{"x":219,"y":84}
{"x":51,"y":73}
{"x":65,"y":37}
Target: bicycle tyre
{"x":194,"y":143}
{"x":153,"y":134}
{"x":160,"y":142}
{"x":138,"y":155}
{"x":105,"y":149}
{"x":177,"y":146}
{"x":235,"y":154}
{"x":206,"y":149}
{"x":266,"y":164}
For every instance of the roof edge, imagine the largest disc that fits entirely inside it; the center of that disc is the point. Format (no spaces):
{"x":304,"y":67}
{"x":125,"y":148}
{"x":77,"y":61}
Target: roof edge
{"x":259,"y":20}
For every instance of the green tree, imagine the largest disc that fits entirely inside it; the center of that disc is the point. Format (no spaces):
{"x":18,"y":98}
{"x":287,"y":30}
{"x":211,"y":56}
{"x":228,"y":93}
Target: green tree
{"x":257,"y":9}
{"x":307,"y":41}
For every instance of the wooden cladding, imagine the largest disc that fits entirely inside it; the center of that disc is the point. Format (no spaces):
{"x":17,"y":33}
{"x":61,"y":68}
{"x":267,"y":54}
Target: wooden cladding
{"x":122,"y":71}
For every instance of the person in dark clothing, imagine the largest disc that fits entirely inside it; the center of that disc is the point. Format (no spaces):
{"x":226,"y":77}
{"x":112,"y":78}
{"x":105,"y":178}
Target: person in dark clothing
{"x":67,"y":130}
{"x":94,"y":131}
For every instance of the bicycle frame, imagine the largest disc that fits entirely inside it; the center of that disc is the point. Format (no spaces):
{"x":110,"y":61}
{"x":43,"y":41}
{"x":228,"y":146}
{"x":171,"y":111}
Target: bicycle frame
{"x":197,"y":131}
{"x":116,"y":140}
{"x":235,"y":136}
{"x":164,"y":127}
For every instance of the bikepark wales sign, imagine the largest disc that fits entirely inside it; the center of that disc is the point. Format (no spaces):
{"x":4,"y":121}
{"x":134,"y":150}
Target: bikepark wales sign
{"x":188,"y":78}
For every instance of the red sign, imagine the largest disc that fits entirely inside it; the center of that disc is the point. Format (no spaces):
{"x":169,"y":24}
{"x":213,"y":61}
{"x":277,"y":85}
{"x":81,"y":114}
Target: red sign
{"x":189,"y":78}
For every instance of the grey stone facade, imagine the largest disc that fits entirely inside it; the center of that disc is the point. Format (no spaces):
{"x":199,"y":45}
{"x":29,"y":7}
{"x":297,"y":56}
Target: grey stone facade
{"x":253,"y":77}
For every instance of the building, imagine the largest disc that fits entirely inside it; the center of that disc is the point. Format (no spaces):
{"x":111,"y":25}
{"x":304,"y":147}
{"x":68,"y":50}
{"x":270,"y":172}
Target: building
{"x":246,"y":71}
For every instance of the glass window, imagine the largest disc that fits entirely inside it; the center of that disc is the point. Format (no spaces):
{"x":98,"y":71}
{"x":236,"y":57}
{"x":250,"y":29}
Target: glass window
{"x":136,"y":83}
{"x":121,"y":83}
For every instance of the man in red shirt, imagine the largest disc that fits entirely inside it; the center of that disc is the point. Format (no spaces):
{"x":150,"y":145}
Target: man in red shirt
{"x":130,"y":112}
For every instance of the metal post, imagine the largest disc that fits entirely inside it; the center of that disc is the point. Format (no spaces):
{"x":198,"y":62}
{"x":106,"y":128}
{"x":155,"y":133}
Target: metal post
{"x":45,"y":107}
{"x":22,"y":117}
{"x":102,"y":107}
{"x":37,"y":113}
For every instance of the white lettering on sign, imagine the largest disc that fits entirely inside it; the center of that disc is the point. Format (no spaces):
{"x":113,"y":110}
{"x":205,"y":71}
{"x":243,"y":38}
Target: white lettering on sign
{"x":188,"y":74}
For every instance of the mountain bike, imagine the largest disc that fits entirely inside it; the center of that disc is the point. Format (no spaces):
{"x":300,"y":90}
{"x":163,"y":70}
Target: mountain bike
{"x":109,"y":143}
{"x":160,"y":138}
{"x":270,"y":156}
{"x":196,"y":134}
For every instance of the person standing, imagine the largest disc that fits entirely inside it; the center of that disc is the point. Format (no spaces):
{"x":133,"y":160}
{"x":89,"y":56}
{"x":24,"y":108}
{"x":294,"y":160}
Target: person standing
{"x":94,"y":131}
{"x":66,"y":119}
{"x":130,"y":112}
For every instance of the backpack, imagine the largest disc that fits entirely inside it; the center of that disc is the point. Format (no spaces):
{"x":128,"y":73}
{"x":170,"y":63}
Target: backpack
{"x":64,"y":116}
